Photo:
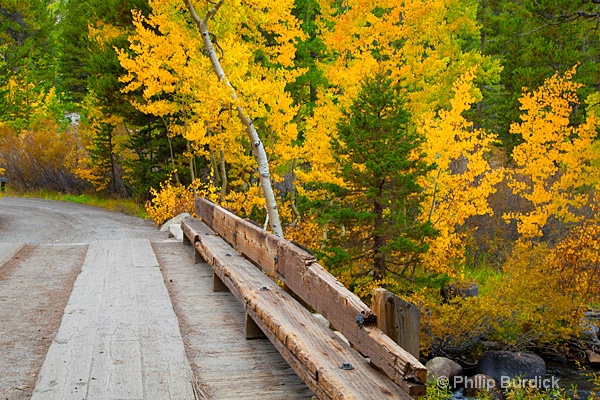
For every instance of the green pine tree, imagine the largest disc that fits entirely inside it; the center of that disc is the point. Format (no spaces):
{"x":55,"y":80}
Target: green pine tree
{"x":381,"y":163}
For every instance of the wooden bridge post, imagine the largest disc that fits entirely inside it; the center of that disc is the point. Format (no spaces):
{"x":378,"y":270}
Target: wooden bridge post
{"x":252,"y":330}
{"x":218,"y":285}
{"x":398,"y":319}
{"x":198,"y":258}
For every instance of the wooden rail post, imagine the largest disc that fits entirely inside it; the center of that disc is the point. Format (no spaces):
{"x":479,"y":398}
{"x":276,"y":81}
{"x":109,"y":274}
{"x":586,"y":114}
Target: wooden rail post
{"x":252,"y":330}
{"x":398,"y":319}
{"x":217,"y":283}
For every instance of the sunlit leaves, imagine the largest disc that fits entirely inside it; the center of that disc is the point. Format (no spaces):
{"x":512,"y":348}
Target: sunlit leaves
{"x":556,"y":161}
{"x":425,"y":45}
{"x":255,"y":44}
{"x":463,"y":180}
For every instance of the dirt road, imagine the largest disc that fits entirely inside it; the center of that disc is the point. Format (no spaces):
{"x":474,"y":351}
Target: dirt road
{"x":38,"y":221}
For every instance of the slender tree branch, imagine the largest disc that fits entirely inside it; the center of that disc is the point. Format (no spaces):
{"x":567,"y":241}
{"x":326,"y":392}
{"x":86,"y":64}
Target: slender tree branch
{"x":211,"y":13}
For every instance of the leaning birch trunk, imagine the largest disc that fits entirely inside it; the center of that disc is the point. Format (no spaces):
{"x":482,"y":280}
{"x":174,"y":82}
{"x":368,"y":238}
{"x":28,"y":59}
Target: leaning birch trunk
{"x":258,"y":149}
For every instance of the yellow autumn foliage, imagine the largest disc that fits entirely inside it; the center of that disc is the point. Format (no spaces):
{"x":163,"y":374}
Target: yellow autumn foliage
{"x":256,"y":49}
{"x":523,"y":306}
{"x":88,"y":130}
{"x":45,"y":155}
{"x":459,"y":187}
{"x":419,"y":42}
{"x":438,"y":76}
{"x":576,"y":260}
{"x":556,"y":161}
{"x":171,"y":200}
{"x":2,"y":170}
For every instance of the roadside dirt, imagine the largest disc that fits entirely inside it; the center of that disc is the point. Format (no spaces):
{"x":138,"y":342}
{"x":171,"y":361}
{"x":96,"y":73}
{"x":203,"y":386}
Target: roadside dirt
{"x":34,"y":289}
{"x":42,"y":248}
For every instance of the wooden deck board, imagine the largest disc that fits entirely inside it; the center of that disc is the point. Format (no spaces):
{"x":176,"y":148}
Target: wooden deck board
{"x":27,"y":334}
{"x":119,"y":337}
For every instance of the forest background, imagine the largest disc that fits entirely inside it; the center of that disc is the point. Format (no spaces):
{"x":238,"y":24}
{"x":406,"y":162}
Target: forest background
{"x":410,"y":144}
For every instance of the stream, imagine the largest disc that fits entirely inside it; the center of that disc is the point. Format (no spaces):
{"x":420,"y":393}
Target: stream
{"x":567,"y":377}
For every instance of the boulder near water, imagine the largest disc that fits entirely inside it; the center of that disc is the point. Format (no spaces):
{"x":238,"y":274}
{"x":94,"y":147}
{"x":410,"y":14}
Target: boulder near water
{"x":444,"y":370}
{"x":506,"y":365}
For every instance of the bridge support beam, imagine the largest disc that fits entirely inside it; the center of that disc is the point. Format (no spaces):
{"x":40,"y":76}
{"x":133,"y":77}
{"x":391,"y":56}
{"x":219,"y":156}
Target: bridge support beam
{"x":218,"y":285}
{"x":198,"y":258}
{"x":252,"y":330}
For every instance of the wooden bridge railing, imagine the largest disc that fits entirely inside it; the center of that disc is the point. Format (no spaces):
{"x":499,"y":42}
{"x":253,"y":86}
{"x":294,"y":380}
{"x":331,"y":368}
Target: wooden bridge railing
{"x":311,"y":349}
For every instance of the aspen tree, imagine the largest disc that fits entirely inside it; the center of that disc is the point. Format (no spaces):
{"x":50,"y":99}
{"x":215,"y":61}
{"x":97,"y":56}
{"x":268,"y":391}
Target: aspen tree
{"x":557,"y":161}
{"x":257,"y":145}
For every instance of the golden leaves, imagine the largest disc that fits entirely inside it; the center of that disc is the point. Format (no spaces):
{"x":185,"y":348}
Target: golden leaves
{"x":555,"y":162}
{"x":463,"y":180}
{"x":417,"y":42}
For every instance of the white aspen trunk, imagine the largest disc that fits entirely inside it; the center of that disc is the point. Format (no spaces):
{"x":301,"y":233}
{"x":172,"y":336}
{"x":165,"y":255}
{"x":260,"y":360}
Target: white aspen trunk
{"x":258,"y":148}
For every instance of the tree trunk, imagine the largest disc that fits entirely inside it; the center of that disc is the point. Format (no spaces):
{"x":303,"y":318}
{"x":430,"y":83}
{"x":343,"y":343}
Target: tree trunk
{"x":191,"y":160}
{"x":379,"y":262}
{"x":111,"y":160}
{"x":224,"y":181}
{"x":257,"y":146}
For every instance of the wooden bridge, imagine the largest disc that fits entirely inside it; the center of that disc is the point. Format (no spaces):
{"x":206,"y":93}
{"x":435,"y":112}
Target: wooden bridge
{"x":153,"y":319}
{"x":250,"y":263}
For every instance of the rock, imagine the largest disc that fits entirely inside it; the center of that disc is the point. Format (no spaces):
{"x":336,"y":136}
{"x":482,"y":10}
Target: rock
{"x":593,"y":358}
{"x":592,"y":314}
{"x":459,"y":289}
{"x":590,"y":328}
{"x":175,"y":220}
{"x":176,"y":232}
{"x":442,"y":367}
{"x":476,"y":386}
{"x":505,"y":365}
{"x":488,"y":345}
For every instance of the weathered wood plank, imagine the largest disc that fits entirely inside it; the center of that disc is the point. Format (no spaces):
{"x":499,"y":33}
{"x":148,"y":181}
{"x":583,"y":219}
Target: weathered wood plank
{"x":319,"y":289}
{"x":341,"y":307}
{"x":224,"y":225}
{"x":251,"y":240}
{"x":192,"y":228}
{"x":226,"y":365}
{"x":205,"y":210}
{"x":288,"y":325}
{"x":398,"y":319}
{"x":119,"y":337}
{"x":257,"y":244}
{"x":141,"y":253}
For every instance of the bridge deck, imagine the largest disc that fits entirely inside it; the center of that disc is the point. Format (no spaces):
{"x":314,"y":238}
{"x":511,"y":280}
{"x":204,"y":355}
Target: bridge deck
{"x":227,"y":366}
{"x":120,"y":338}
